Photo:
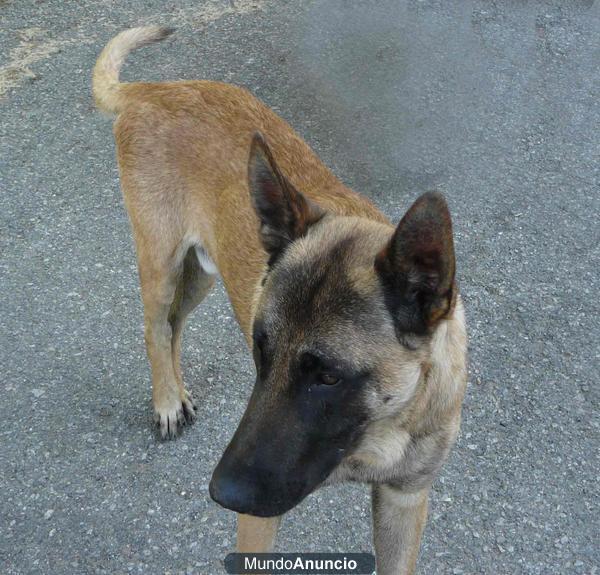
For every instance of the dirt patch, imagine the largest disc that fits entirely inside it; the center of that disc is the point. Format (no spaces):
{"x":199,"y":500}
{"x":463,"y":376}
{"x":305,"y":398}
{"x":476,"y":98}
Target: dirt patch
{"x":34,"y":45}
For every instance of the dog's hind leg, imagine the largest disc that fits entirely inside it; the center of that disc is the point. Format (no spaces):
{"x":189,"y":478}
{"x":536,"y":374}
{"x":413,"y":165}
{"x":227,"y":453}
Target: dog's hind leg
{"x":193,"y":285}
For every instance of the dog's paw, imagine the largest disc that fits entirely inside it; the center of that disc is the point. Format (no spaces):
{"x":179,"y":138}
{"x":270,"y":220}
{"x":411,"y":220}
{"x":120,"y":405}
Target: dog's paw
{"x":171,"y":419}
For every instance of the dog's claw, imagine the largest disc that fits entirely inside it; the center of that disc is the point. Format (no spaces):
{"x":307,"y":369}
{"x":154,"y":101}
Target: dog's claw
{"x":189,"y":409}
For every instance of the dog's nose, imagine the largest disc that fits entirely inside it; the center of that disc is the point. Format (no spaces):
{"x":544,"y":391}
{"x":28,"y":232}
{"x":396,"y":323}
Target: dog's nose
{"x":233,"y":491}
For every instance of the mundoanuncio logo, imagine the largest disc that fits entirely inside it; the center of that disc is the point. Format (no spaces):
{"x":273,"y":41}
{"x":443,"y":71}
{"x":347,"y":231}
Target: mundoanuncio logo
{"x":300,"y":563}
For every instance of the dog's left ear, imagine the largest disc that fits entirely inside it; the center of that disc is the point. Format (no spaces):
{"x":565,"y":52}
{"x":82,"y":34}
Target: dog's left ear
{"x":417,"y":266}
{"x":284,"y":213}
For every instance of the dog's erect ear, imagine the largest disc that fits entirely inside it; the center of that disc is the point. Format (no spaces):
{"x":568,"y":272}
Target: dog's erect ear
{"x":417,"y":266}
{"x":284,"y":213}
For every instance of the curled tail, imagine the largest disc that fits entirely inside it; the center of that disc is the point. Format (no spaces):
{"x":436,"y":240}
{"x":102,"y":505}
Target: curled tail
{"x":105,"y":83}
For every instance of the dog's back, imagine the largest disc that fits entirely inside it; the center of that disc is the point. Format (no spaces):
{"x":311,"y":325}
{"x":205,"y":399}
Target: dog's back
{"x":212,"y":121}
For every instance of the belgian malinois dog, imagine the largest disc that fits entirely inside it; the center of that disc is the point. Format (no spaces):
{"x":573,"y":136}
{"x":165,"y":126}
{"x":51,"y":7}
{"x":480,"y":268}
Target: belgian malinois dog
{"x":356,"y":326}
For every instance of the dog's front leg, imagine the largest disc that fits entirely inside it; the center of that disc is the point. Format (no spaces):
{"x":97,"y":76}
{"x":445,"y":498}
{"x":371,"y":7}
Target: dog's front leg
{"x":256,"y":534}
{"x":398,"y":522}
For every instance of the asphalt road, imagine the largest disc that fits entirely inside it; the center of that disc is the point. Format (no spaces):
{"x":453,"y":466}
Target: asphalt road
{"x":494,"y":103}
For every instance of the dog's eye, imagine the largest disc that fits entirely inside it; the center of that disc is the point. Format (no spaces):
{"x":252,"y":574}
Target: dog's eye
{"x":329,"y":379}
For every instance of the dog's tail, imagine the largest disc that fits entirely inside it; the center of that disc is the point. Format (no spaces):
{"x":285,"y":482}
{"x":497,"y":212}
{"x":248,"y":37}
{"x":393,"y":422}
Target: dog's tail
{"x":105,"y":83}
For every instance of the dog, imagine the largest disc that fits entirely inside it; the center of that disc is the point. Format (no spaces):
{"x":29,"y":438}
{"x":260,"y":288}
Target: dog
{"x":356,"y":326}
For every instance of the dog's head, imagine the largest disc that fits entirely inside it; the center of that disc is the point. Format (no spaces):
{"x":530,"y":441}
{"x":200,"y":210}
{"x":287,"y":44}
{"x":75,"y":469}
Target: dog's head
{"x":341,"y":334}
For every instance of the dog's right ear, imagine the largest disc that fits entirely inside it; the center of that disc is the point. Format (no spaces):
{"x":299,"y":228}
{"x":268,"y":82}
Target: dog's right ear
{"x":284,"y":213}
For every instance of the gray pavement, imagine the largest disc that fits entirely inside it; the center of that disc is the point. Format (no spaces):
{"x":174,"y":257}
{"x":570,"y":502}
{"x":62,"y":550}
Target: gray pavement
{"x":494,"y":103}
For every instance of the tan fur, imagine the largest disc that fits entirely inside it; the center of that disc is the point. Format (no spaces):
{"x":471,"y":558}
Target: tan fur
{"x":256,"y":534}
{"x":182,"y":152}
